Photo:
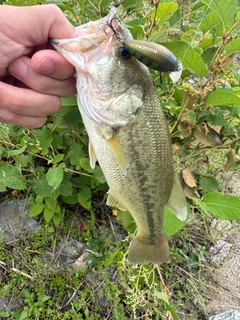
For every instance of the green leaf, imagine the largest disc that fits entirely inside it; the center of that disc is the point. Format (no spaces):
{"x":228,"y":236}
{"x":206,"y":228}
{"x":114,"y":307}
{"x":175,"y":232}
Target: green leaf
{"x":58,"y":157}
{"x":36,"y":209}
{"x":41,"y":187}
{"x":164,"y":11}
{"x":201,"y":205}
{"x":209,"y":54}
{"x":57,"y":218}
{"x":126,"y":220}
{"x":162,"y":296}
{"x":22,"y":160}
{"x":48,"y":214}
{"x":51,"y":203}
{"x":217,"y":119}
{"x":98,"y":174}
{"x":65,"y":188}
{"x":85,"y":164}
{"x":23,"y":315}
{"x":16,"y":152}
{"x":222,"y":98}
{"x":232,"y":46}
{"x":188,"y":56}
{"x":76,"y":154}
{"x":210,"y":20}
{"x":225,"y":9}
{"x":44,"y":137}
{"x":222,"y":206}
{"x":10,"y":177}
{"x":69,"y":101}
{"x":54,"y":176}
{"x":72,"y":199}
{"x":44,"y":298}
{"x":73,"y":116}
{"x":171,"y":223}
{"x":208,"y":184}
{"x":84,"y":196}
{"x":15,"y":183}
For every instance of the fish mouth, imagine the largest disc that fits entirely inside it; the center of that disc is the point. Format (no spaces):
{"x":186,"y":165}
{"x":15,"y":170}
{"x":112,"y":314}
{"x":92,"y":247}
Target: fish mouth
{"x":93,"y":34}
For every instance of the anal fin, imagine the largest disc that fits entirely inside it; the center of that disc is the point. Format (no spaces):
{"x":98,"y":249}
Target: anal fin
{"x":177,"y":202}
{"x":113,"y":202}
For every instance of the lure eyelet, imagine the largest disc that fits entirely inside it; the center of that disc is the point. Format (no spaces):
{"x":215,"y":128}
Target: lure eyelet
{"x":123,"y":54}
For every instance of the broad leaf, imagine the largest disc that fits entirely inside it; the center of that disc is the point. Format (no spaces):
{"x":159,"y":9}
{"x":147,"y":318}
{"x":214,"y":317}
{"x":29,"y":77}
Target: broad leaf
{"x":190,"y":58}
{"x":45,"y":137}
{"x":41,"y":187}
{"x":162,"y":296}
{"x":222,"y":206}
{"x":36,"y":209}
{"x":225,"y":9}
{"x":210,"y":20}
{"x":171,"y":223}
{"x":10,"y":177}
{"x":84,"y":198}
{"x":54,"y":176}
{"x":222,"y":98}
{"x":164,"y":11}
{"x":232,"y":46}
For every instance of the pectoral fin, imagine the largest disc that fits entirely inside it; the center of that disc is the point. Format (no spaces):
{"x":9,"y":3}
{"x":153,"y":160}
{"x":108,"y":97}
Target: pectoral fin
{"x":113,"y":202}
{"x":177,"y":202}
{"x":118,"y":152}
{"x":92,"y":155}
{"x":109,"y":134}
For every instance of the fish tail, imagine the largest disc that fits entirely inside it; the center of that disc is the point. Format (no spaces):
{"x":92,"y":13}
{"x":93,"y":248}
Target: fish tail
{"x":142,"y":251}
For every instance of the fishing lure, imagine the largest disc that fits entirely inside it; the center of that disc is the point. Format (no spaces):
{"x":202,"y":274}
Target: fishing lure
{"x":153,"y":55}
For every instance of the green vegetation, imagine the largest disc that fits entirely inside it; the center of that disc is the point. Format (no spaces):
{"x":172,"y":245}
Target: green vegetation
{"x":50,"y":165}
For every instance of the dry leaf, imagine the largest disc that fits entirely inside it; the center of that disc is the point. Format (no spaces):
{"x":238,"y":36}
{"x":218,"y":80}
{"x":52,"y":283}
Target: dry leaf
{"x":188,"y":190}
{"x":188,"y":178}
{"x":175,"y":148}
{"x":206,"y":135}
{"x":231,"y":159}
{"x":80,"y":263}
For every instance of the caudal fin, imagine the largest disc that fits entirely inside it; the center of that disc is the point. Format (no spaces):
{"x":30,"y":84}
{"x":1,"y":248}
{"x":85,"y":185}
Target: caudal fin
{"x":141,"y":251}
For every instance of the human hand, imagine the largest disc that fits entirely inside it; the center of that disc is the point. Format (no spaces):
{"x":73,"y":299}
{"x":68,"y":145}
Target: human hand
{"x":32,"y":77}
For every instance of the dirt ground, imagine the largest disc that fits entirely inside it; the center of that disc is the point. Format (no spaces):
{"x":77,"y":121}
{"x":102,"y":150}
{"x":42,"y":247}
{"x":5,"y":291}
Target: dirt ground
{"x":224,"y":291}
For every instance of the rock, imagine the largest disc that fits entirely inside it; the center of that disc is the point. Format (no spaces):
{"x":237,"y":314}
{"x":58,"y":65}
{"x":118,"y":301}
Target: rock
{"x":14,"y":220}
{"x":229,"y":315}
{"x":219,"y":252}
{"x":220,"y":228}
{"x":224,"y":289}
{"x":10,"y":303}
{"x":65,"y":253}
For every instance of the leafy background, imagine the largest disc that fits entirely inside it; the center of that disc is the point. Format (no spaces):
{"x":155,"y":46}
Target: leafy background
{"x":51,"y":167}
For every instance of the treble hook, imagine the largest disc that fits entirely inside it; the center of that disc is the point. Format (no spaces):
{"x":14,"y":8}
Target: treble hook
{"x":109,"y":24}
{"x":160,"y":81}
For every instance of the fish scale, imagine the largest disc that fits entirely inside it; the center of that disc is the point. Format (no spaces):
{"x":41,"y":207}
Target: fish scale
{"x":128,"y":134}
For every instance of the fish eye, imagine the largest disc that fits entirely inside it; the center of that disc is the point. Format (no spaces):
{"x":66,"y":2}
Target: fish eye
{"x":123,"y":54}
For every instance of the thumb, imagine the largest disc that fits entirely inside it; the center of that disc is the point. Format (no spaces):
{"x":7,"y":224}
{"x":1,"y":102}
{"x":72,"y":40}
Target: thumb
{"x":34,"y":25}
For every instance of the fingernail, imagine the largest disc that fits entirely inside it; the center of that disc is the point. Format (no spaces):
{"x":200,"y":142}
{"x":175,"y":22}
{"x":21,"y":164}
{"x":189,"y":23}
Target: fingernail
{"x":45,"y":66}
{"x":18,"y":68}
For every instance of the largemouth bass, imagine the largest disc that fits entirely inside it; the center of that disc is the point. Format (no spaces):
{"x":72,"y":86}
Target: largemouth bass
{"x":128,"y":133}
